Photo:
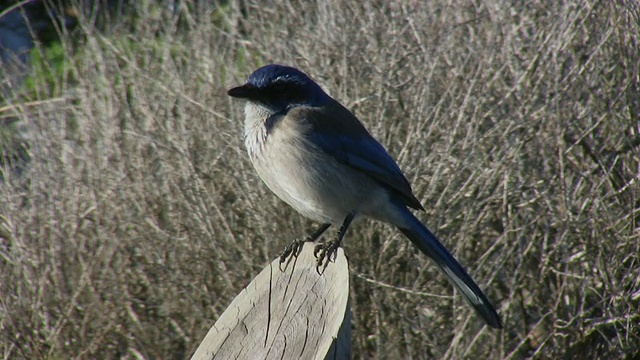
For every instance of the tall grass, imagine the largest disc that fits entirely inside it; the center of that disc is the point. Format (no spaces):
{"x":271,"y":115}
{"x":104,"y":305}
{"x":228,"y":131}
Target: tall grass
{"x":139,"y":217}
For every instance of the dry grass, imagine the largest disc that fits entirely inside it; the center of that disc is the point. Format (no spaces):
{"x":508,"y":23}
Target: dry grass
{"x":140,"y":218}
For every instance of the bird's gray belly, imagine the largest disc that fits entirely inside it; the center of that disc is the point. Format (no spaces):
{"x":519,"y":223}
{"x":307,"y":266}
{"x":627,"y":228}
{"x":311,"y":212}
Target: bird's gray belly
{"x":312,"y":182}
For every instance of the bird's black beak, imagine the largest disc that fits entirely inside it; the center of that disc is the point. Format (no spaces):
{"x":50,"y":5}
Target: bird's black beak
{"x":245,"y":91}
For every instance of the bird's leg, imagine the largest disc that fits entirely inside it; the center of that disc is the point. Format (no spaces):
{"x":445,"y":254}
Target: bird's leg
{"x":293,"y":249}
{"x":324,"y":251}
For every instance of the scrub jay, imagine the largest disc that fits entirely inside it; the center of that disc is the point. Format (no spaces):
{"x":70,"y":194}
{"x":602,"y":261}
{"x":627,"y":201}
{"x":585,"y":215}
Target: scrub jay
{"x":315,"y":155}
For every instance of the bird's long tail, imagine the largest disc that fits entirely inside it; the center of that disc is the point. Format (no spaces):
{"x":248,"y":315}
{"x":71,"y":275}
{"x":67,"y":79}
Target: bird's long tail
{"x":431,"y":246}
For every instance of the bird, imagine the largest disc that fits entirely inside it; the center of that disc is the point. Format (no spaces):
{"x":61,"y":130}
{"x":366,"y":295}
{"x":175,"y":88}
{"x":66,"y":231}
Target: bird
{"x":316,"y":156}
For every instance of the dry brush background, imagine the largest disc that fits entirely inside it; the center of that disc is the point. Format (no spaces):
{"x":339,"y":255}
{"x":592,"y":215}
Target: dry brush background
{"x":139,"y":218}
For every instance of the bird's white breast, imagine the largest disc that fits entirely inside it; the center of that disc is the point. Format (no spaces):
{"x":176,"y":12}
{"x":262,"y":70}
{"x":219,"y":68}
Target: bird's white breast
{"x":255,"y":130}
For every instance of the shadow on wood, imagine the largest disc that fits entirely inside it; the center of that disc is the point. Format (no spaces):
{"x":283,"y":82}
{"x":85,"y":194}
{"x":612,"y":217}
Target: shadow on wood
{"x":291,"y":314}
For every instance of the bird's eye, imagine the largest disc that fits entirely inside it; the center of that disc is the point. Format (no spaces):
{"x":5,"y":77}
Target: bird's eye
{"x":280,"y":88}
{"x":290,"y":92}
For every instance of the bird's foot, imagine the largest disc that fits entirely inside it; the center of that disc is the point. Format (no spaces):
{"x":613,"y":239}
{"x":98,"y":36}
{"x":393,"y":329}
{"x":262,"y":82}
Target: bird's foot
{"x":290,"y":252}
{"x":324,"y":253}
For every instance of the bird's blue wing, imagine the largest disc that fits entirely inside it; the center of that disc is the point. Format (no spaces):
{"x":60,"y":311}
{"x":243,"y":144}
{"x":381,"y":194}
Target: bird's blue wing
{"x":340,"y":134}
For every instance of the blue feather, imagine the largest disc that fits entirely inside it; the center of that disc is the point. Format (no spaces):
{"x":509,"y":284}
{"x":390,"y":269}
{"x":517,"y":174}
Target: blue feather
{"x":342,"y":136}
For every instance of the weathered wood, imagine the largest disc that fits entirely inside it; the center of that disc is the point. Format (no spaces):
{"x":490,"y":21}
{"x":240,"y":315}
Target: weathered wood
{"x":291,"y":314}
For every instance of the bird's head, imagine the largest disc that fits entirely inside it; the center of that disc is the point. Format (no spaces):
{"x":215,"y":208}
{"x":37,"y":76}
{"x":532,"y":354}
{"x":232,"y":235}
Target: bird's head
{"x":278,"y":88}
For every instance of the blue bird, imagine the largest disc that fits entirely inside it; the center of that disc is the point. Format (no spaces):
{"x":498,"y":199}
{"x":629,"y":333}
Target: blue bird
{"x":317,"y":156}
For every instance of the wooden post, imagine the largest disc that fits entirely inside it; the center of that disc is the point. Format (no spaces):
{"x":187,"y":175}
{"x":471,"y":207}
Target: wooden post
{"x":291,"y":314}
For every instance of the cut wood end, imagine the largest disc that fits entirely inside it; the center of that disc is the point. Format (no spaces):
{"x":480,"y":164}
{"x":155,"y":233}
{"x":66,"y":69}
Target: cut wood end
{"x":301,"y":311}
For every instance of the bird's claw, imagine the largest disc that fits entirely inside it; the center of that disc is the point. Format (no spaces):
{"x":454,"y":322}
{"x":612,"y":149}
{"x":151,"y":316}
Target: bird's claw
{"x":290,"y":251}
{"x":324,"y":252}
